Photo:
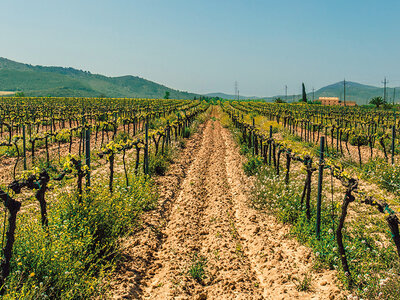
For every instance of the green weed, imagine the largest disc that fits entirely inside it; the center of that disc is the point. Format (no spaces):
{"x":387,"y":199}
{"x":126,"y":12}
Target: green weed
{"x":197,"y":269}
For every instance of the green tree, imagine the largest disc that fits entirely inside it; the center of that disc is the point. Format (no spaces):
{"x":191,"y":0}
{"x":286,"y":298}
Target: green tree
{"x":20,"y":94}
{"x":377,"y":101}
{"x":279,"y":100}
{"x":166,"y":96}
{"x":304,"y":98}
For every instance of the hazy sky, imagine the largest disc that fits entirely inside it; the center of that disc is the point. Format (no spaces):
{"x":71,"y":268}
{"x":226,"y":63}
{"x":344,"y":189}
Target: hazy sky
{"x":204,"y":46}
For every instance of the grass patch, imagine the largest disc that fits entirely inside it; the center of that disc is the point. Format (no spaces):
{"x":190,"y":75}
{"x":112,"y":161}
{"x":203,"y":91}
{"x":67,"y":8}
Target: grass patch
{"x":383,"y":173}
{"x":304,"y":284}
{"x":197,"y":269}
{"x":252,"y":165}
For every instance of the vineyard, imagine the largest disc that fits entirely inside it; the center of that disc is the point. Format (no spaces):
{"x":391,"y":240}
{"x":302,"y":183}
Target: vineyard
{"x":158,"y":199}
{"x":85,"y":165}
{"x":325,"y":164}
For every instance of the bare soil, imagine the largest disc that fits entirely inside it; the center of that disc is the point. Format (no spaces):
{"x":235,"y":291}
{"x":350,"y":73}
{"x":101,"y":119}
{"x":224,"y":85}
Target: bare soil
{"x":5,"y":93}
{"x":204,"y":212}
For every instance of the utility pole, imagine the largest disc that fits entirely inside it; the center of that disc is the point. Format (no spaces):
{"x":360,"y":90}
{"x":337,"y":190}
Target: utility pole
{"x":384,"y":89}
{"x":236,"y":89}
{"x":344,"y":91}
{"x":394,"y":94}
{"x":285,"y":93}
{"x":313,"y":94}
{"x":238,"y":96}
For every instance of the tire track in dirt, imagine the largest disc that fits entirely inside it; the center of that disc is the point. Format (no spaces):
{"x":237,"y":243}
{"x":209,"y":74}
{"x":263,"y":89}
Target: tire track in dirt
{"x":202,"y":224}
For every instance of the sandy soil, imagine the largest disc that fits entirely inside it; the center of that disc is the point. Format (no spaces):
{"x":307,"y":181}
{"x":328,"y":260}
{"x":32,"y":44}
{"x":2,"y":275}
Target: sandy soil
{"x":205,"y":212}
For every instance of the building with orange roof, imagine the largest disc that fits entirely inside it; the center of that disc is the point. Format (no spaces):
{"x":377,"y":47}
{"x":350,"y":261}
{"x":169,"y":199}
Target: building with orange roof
{"x":329,"y":101}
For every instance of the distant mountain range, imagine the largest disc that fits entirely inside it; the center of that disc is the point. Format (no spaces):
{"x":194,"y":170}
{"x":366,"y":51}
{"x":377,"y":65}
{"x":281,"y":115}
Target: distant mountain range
{"x":230,"y":97}
{"x":69,"y":82}
{"x":360,"y":93}
{"x":357,"y":92}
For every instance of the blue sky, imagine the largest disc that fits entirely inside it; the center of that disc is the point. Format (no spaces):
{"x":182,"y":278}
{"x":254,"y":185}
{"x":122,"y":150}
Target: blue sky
{"x":204,"y":46}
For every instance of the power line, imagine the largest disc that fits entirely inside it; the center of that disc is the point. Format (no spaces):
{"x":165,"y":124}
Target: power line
{"x":394,"y":94}
{"x":285,"y":93}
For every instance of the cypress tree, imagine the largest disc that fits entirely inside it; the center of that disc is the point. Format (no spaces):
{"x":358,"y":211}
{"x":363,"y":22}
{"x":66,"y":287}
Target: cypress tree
{"x":304,"y":99}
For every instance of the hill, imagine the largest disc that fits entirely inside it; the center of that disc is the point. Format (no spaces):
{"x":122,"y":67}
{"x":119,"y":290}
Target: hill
{"x":70,"y":82}
{"x":360,"y":93}
{"x":357,"y":92}
{"x":64,"y":82}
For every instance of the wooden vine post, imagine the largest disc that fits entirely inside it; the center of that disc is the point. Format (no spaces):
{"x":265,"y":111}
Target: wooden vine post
{"x":24,"y":144}
{"x":137,"y":147}
{"x":288,"y":160}
{"x":13,"y":207}
{"x":167,"y":133}
{"x":47,"y":151}
{"x":359,"y":141}
{"x":280,"y":150}
{"x":124,"y":163}
{"x":87,"y":152}
{"x":337,"y":139}
{"x":270,"y":145}
{"x":319,"y":195}
{"x":253,"y":139}
{"x":393,"y":140}
{"x":111,"y":160}
{"x":146,"y":149}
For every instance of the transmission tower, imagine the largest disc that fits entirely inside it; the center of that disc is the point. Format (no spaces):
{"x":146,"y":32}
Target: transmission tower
{"x":236,"y":90}
{"x":344,"y":91}
{"x":285,"y":93}
{"x":384,"y":89}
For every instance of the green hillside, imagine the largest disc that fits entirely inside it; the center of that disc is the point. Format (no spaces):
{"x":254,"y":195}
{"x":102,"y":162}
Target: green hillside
{"x":357,"y":92}
{"x":69,"y":82}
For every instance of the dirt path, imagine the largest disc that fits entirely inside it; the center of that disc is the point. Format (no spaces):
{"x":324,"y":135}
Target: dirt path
{"x":245,"y":254}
